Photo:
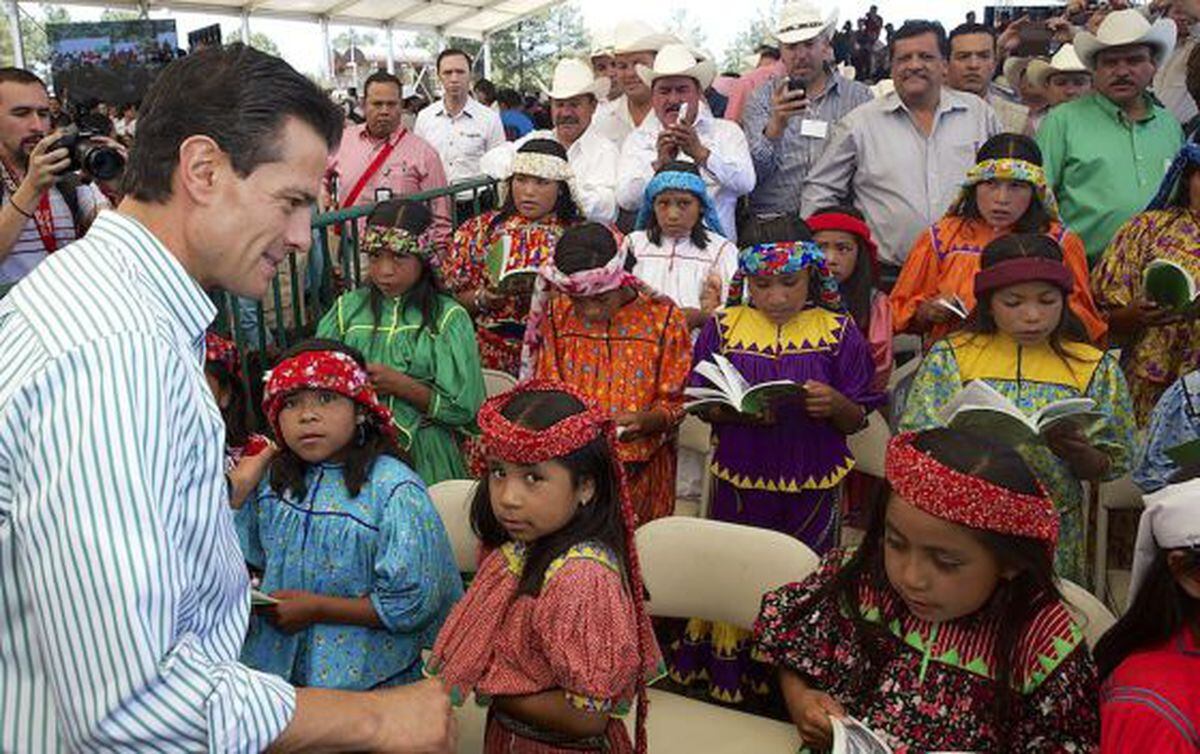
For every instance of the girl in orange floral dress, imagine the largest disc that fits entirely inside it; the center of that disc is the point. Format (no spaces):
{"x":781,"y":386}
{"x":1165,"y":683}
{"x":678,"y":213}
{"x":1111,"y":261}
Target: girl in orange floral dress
{"x":552,"y":635}
{"x":622,"y":346}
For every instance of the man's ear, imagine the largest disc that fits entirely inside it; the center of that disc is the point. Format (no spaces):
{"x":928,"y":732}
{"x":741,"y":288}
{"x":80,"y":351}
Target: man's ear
{"x":200,"y":161}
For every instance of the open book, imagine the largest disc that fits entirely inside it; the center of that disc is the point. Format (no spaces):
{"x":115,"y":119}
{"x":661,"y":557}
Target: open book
{"x":731,"y":389}
{"x":954,"y":305}
{"x":1186,"y":454}
{"x":505,"y":272}
{"x":1169,"y":285}
{"x":257,"y":599}
{"x":853,"y":736}
{"x":981,"y":409}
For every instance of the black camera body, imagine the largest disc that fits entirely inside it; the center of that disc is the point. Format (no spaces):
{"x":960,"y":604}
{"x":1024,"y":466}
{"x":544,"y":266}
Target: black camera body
{"x":97,"y":159}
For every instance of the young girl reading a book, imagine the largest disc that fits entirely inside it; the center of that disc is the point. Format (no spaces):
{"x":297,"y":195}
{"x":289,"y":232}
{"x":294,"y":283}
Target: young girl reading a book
{"x":625,"y":348}
{"x":349,"y":543}
{"x":945,"y":629}
{"x":1006,"y":192}
{"x":420,"y":344}
{"x":1150,"y":660}
{"x":1158,"y":343}
{"x":781,"y":469}
{"x":678,"y":245}
{"x":538,"y":204}
{"x":552,"y":634}
{"x":1023,"y":340}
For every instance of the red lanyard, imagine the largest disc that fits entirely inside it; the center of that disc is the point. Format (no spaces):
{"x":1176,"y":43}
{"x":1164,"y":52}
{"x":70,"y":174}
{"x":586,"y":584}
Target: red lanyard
{"x":43,"y":218}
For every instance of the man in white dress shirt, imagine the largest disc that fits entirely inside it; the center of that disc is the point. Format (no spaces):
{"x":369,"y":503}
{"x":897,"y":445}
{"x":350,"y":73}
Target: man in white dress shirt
{"x":635,"y":43}
{"x":458,"y":127}
{"x":718,"y":147}
{"x":574,"y":97}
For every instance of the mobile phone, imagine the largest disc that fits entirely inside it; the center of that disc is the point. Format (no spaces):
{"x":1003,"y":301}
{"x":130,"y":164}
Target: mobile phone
{"x":796,"y":85}
{"x":683,"y":110}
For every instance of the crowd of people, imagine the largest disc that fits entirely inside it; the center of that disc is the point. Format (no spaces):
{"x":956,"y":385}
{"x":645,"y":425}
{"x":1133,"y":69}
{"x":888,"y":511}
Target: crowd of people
{"x":864,"y":199}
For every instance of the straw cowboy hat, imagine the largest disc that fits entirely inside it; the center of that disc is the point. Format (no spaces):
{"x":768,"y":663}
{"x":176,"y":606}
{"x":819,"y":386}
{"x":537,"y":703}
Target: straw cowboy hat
{"x":1014,"y":68}
{"x":602,"y":43}
{"x":679,"y":60}
{"x":638,"y":36}
{"x":801,"y":21}
{"x":1123,"y":28}
{"x":574,"y":77}
{"x":1066,"y":60}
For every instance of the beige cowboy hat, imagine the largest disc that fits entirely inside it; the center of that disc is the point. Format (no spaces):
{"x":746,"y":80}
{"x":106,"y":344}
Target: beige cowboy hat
{"x":801,"y":21}
{"x":602,"y":43}
{"x":679,"y":60}
{"x":1066,"y":60}
{"x":1014,"y":68}
{"x":1123,"y":28}
{"x":638,"y":36}
{"x":574,"y":77}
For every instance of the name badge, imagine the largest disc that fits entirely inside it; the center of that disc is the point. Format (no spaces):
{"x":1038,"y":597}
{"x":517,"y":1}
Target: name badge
{"x":383,"y":194}
{"x":817,"y":129}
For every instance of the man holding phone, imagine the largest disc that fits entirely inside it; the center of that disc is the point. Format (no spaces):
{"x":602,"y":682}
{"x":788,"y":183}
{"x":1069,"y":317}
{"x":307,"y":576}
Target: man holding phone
{"x":787,"y":120}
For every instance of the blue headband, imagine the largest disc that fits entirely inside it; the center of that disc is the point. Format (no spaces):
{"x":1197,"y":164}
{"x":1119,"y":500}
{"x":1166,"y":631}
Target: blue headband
{"x":670,"y":180}
{"x":1190,"y":154}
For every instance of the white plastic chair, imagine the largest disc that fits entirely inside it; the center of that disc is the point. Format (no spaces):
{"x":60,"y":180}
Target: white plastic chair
{"x":869,"y":446}
{"x":452,"y":499}
{"x":496,"y":382}
{"x":715,"y":571}
{"x":1093,"y":615}
{"x":696,"y":435}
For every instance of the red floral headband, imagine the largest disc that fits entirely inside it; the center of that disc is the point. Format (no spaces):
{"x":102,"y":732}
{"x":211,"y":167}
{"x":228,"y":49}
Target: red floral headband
{"x":221,"y":351}
{"x":1023,"y":270}
{"x":964,"y":499}
{"x":324,"y":370}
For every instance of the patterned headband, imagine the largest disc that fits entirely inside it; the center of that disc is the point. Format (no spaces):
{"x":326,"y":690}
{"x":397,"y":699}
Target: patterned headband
{"x":785,"y":258}
{"x":1023,"y":270}
{"x":964,"y":499}
{"x":334,"y":371}
{"x":546,"y":166}
{"x":1012,"y":169}
{"x":378,"y":238}
{"x":593,"y":282}
{"x":221,"y":351}
{"x":673,"y":180}
{"x":1189,"y":155}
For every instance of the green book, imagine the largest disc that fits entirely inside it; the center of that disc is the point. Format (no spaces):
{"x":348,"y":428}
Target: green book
{"x":982,"y":410}
{"x":258,"y":599}
{"x":731,"y":389}
{"x":1187,"y":454}
{"x":504,"y":272}
{"x":1169,"y":285}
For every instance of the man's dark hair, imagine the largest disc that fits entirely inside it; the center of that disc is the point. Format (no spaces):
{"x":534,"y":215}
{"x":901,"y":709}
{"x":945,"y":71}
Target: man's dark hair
{"x":768,"y":52}
{"x":485,"y":91}
{"x":237,"y":96}
{"x":963,"y":30}
{"x":509,"y":98}
{"x":16,"y":75}
{"x":382,"y":77}
{"x":450,"y":52}
{"x":912,"y":29}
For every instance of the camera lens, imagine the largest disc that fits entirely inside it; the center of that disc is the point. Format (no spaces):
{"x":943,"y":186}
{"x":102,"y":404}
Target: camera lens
{"x":103,"y":163}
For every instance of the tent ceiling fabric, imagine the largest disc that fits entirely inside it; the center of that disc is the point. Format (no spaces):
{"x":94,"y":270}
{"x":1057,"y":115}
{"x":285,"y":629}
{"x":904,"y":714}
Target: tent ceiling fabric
{"x":459,"y":18}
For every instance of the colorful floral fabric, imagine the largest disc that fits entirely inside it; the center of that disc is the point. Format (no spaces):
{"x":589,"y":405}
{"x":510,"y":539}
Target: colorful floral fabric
{"x":1175,"y":421}
{"x":936,"y":688}
{"x":1158,"y":355}
{"x":334,"y":371}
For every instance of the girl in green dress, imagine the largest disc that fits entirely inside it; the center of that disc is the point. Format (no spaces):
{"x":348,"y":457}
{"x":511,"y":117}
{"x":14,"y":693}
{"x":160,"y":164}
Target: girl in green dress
{"x":419,"y":343}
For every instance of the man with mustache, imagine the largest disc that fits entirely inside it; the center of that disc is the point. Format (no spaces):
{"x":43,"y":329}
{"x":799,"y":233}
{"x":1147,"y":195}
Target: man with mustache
{"x":972,"y":66}
{"x":380,"y":158}
{"x":574,"y":96}
{"x":681,"y":129}
{"x":44,"y":208}
{"x":635,"y":43}
{"x":1106,"y":153}
{"x":904,"y":156}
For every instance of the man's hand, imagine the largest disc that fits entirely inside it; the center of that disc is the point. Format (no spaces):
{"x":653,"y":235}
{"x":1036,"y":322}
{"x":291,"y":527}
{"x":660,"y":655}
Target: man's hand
{"x":666,"y":148}
{"x":415,"y":719}
{"x":46,"y":162}
{"x":684,"y":135}
{"x":784,"y":104}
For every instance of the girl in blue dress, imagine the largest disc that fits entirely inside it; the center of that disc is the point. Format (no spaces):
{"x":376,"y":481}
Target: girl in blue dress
{"x":351,"y":548}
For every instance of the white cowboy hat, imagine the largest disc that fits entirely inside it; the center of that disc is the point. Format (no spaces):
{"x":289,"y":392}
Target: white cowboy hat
{"x":1122,"y":28}
{"x":574,"y":77}
{"x":801,"y":21}
{"x":602,"y":42}
{"x":1014,"y":68}
{"x":1066,"y":60}
{"x":679,"y":60}
{"x":638,"y":36}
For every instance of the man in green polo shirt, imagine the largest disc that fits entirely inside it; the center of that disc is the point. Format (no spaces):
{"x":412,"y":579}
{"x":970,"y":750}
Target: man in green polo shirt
{"x":1106,"y":153}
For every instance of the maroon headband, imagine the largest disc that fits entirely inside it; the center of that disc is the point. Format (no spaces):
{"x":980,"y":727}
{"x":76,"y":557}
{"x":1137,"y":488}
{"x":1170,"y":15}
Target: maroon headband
{"x":1023,"y":270}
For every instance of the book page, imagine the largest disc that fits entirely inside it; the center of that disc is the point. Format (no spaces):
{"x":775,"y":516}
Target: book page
{"x":738,"y":386}
{"x":852,"y":736}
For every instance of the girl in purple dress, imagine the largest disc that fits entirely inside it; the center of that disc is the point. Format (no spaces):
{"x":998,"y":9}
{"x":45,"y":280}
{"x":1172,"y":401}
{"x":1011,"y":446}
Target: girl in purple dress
{"x":780,"y":469}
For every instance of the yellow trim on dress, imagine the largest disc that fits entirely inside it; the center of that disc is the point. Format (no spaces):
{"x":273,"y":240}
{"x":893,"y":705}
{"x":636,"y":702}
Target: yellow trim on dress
{"x":745,"y":329}
{"x":746,"y":482}
{"x":999,"y":357}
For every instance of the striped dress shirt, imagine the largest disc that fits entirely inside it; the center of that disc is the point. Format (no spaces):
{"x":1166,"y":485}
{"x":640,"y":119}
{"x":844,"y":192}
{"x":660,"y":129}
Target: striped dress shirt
{"x":123,"y":593}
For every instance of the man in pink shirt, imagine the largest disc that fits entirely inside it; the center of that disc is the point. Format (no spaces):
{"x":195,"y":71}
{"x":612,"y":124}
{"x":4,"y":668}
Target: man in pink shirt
{"x":769,"y":67}
{"x":381,"y":159}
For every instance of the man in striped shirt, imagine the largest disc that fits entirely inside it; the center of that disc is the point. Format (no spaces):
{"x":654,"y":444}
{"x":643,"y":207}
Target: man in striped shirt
{"x":123,"y":594}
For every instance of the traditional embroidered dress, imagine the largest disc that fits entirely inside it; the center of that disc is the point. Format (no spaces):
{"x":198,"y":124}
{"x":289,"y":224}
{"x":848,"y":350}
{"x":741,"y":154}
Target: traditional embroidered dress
{"x":936,"y":688}
{"x":1150,"y":702}
{"x":638,"y":361}
{"x":944,"y":261}
{"x":578,"y":634}
{"x":678,"y":269}
{"x":1158,"y":355}
{"x":464,"y":268}
{"x":445,"y":358}
{"x":1175,"y":421}
{"x":1032,"y":377}
{"x":387,"y":543}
